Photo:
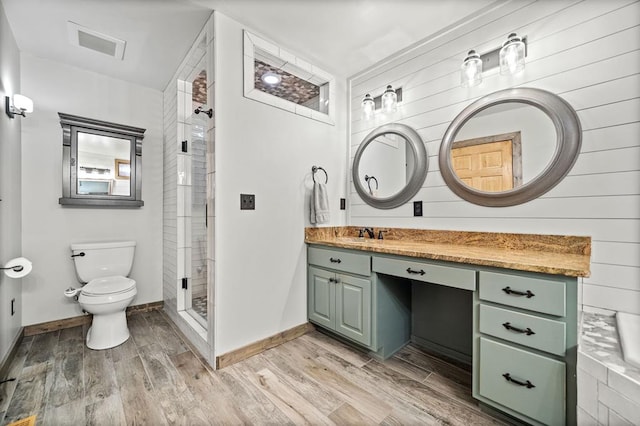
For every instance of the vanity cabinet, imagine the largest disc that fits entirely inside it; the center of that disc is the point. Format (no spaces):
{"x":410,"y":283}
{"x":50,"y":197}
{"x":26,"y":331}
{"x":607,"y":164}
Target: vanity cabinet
{"x":524,"y":345}
{"x":341,"y":302}
{"x":345,"y":297}
{"x":338,"y":299}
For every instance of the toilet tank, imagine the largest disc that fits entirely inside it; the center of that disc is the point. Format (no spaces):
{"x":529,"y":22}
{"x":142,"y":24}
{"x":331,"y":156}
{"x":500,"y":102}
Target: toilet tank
{"x":104,"y":259}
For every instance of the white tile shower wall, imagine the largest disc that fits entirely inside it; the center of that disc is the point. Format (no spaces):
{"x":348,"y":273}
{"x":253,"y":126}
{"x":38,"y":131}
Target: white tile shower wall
{"x":178,"y":198}
{"x":588,"y":53}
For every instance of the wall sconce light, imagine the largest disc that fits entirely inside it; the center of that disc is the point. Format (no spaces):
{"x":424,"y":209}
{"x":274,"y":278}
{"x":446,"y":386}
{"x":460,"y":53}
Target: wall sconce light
{"x":471,"y":72}
{"x":18,"y":105}
{"x":509,"y":57}
{"x":387,"y":102}
{"x":512,"y":55}
{"x":368,"y":107}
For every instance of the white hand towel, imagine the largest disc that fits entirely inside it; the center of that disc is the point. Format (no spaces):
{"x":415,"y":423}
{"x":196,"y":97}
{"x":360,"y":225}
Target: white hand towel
{"x":319,"y":204}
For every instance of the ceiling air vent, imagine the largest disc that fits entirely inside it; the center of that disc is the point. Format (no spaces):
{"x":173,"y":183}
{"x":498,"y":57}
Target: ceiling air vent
{"x":85,"y":37}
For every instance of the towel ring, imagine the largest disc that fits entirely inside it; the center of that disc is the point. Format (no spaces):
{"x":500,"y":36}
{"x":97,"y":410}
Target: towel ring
{"x":314,"y":169}
{"x":368,"y":179}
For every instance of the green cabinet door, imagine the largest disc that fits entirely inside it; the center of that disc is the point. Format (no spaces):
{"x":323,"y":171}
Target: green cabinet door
{"x":321,"y":297}
{"x":353,"y":308}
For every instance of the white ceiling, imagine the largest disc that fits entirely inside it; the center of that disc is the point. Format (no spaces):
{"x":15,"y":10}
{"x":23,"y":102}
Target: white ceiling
{"x":342,"y":36}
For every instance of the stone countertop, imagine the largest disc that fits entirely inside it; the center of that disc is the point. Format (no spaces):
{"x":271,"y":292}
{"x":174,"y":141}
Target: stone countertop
{"x":550,"y":254}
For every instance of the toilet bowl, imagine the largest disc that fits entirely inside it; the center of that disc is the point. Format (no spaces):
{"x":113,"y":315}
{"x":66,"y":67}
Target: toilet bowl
{"x":107,"y":292}
{"x":107,"y":299}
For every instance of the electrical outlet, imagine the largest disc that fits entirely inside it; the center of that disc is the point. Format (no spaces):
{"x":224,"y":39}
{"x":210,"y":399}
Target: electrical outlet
{"x":343,"y":204}
{"x":417,"y":208}
{"x":247,"y":202}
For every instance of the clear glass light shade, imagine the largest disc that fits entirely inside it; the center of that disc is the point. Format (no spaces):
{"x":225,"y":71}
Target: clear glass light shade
{"x":368,"y":107}
{"x":389,"y":100}
{"x":471,"y":70}
{"x":22,"y":103}
{"x":512,"y":55}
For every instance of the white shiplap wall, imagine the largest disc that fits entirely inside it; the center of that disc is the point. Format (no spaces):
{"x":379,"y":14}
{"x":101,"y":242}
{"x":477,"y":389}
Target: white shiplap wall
{"x":585,"y":51}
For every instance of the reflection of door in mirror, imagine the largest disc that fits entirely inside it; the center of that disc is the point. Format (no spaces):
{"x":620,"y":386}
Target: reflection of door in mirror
{"x":491,"y":164}
{"x":390,"y":159}
{"x":528,"y":139}
{"x":97,"y":158}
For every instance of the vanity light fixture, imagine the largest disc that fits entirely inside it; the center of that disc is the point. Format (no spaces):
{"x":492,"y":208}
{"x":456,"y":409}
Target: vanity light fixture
{"x":271,"y":78}
{"x":512,"y":55}
{"x":471,"y":70}
{"x":368,"y":107}
{"x":18,"y":105}
{"x":389,"y":100}
{"x":509,"y":57}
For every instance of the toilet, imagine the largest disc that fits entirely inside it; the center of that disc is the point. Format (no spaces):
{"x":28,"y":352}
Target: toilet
{"x":106,"y":293}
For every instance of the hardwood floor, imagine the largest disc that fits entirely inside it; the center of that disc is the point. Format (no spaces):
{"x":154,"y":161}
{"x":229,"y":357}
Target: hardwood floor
{"x":155,"y":379}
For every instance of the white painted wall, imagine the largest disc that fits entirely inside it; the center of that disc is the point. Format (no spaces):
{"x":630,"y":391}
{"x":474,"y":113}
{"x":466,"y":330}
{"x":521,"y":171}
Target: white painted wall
{"x":586,"y":52}
{"x":260,"y":255}
{"x":10,"y":185}
{"x":48,"y":228}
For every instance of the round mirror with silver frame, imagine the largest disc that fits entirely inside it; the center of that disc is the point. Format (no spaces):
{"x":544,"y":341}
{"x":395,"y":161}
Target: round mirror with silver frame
{"x":412,"y":167}
{"x":562,"y":156}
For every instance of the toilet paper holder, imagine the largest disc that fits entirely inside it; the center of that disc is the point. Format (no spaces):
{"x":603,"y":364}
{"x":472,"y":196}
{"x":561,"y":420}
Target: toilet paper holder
{"x":16,"y":268}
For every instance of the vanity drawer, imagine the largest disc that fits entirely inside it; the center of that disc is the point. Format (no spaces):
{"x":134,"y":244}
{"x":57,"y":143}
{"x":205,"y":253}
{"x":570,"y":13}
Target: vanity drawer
{"x":421,"y":271}
{"x":535,"y":294}
{"x":528,"y":330}
{"x":354,"y":263}
{"x":504,"y":372}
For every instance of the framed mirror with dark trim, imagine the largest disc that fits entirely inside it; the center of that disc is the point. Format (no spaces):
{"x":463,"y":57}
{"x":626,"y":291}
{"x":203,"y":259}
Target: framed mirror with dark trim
{"x":510,"y":147}
{"x":101,"y":163}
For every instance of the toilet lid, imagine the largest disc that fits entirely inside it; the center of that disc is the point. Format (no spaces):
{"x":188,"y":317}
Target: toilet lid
{"x":108,"y":285}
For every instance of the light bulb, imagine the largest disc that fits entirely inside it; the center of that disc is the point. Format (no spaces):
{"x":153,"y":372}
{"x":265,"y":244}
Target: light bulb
{"x":271,"y":78}
{"x":389,"y":100}
{"x":471,"y":70}
{"x":368,"y":107}
{"x":512,"y":55}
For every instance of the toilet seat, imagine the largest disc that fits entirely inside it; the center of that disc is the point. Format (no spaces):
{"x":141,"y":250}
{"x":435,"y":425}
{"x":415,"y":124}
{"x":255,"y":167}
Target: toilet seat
{"x":108,"y":286}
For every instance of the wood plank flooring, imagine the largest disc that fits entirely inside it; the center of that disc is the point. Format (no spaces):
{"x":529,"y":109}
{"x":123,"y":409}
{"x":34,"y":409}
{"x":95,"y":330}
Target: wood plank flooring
{"x":155,"y":379}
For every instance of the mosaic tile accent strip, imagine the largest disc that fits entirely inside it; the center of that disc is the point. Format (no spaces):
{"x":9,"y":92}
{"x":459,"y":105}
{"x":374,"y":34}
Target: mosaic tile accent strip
{"x":291,"y":88}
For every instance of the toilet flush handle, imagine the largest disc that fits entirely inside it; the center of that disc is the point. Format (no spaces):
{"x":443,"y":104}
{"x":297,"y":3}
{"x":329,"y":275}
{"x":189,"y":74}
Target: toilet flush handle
{"x":72,"y":292}
{"x":81,"y":254}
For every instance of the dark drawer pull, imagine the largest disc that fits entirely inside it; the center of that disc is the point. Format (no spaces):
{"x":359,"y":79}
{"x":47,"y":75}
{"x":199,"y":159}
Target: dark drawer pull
{"x":81,"y":254}
{"x":411,"y":271}
{"x":518,"y":293}
{"x":527,"y":384}
{"x":335,"y":260}
{"x":528,"y":331}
